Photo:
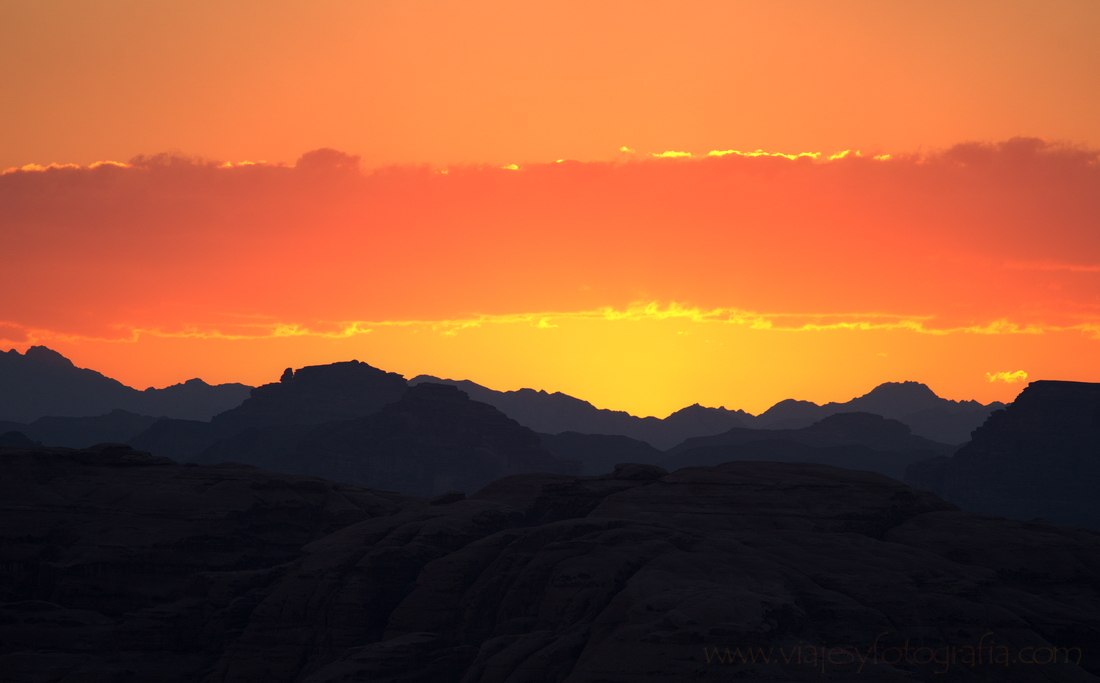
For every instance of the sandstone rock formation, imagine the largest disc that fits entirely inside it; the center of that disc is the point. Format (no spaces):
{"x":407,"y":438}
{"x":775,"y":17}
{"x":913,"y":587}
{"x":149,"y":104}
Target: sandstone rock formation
{"x":1037,"y":458}
{"x":115,"y":565}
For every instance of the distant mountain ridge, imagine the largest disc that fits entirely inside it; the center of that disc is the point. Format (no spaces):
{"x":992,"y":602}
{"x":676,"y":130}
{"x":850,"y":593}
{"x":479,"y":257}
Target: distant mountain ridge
{"x":83,"y":405}
{"x":43,"y":383}
{"x":117,"y":426}
{"x":911,"y":403}
{"x":554,"y":413}
{"x":857,"y":441}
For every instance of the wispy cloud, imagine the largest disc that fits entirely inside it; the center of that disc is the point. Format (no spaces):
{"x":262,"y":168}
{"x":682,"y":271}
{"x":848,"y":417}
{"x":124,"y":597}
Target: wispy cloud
{"x":670,"y":154}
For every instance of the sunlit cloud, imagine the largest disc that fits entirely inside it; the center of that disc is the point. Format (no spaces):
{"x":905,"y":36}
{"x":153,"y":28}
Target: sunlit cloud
{"x":778,"y":322}
{"x":42,"y":168}
{"x":670,"y":154}
{"x":1007,"y":377}
{"x":237,"y":164}
{"x":968,"y":252}
{"x":761,"y":153}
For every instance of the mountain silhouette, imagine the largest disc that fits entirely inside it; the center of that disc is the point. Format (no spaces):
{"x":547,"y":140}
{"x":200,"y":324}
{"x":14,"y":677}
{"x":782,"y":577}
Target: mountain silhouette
{"x":353,"y":423}
{"x":310,"y":395}
{"x":433,"y":440}
{"x":43,"y":383}
{"x":15,"y":439}
{"x":117,"y":426}
{"x":913,"y":403}
{"x":116,"y":565}
{"x":859,"y":441}
{"x":316,"y":394}
{"x":600,"y":453}
{"x":1037,"y":458}
{"x":554,"y":413}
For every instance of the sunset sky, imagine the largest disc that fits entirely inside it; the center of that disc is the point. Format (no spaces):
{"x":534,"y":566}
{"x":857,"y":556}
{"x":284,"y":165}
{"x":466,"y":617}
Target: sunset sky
{"x":644,"y":204}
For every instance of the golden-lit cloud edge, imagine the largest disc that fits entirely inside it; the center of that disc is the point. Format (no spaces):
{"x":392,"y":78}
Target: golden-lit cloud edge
{"x":1007,"y":376}
{"x":779,"y":322}
{"x":633,"y":157}
{"x":962,"y":153}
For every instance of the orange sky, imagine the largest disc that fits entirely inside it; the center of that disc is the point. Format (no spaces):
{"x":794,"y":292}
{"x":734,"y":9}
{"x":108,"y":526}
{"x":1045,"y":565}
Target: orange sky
{"x":960,"y":244}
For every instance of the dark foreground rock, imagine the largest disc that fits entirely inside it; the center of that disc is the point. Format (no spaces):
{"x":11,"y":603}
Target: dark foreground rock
{"x":117,"y":566}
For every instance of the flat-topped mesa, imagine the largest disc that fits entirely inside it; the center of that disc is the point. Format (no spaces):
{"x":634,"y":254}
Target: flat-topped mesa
{"x":1039,"y":457}
{"x":315,"y":394}
{"x":1058,"y":412}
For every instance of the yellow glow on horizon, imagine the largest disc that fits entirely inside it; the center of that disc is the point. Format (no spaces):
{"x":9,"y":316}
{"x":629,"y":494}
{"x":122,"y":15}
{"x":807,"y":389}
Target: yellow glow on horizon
{"x":646,"y":358}
{"x":670,"y":154}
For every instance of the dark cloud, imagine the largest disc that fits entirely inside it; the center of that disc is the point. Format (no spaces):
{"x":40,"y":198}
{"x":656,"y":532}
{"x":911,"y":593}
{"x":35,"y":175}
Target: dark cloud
{"x":173,"y":237}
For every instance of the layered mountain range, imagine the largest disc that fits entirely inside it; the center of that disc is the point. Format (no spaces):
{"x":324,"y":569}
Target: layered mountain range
{"x":43,"y":384}
{"x":342,"y":524}
{"x":913,"y":403}
{"x":352,"y":423}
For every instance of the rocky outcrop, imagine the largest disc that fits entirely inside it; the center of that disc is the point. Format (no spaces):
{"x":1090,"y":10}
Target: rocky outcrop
{"x":316,"y":394}
{"x":647,"y":575}
{"x":117,"y":565}
{"x":1037,"y":458}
